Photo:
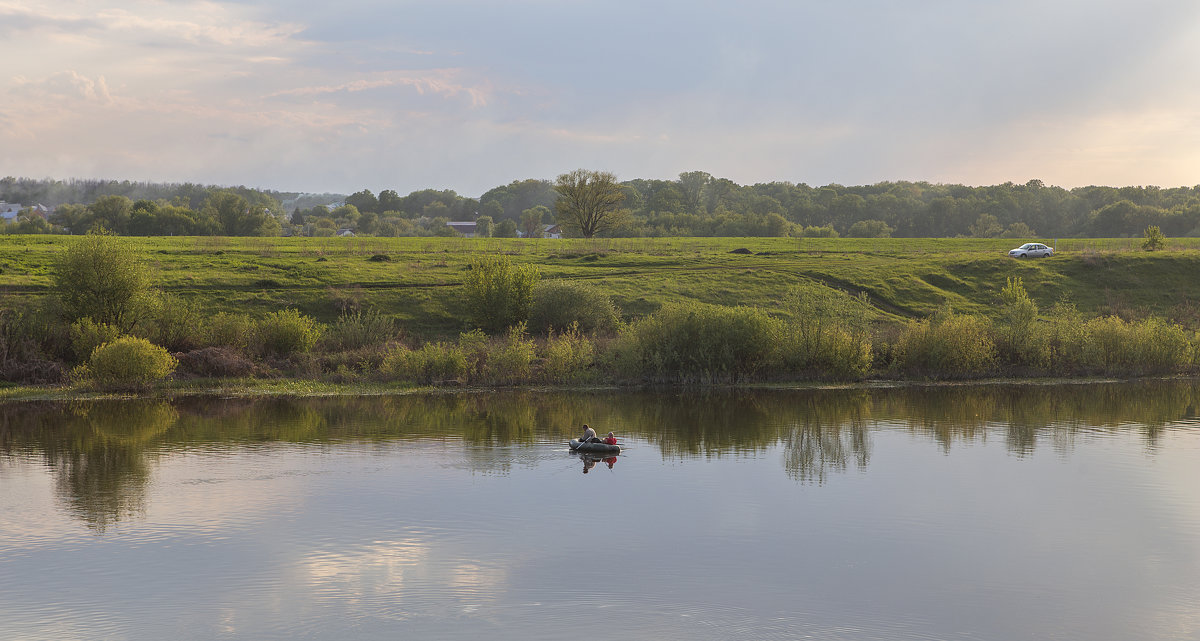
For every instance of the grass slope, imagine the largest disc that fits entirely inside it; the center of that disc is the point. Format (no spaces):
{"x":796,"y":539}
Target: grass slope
{"x":416,"y":280}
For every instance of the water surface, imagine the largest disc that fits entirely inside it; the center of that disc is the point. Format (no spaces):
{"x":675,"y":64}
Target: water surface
{"x":1049,"y":512}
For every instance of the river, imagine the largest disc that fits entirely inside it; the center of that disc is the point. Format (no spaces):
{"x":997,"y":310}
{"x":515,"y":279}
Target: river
{"x":947,"y":512}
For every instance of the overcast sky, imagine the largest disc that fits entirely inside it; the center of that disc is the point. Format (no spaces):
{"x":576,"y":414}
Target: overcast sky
{"x":470,"y":94}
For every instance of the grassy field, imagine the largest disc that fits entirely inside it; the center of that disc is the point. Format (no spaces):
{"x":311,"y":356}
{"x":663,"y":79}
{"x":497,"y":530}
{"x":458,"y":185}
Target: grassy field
{"x":416,"y":280}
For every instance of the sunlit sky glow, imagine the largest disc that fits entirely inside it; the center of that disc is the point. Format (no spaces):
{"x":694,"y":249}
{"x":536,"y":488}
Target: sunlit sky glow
{"x":470,"y":94}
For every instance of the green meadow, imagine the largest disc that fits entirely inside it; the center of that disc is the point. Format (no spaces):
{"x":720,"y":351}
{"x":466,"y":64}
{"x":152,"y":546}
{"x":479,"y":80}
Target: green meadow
{"x":417,"y":281}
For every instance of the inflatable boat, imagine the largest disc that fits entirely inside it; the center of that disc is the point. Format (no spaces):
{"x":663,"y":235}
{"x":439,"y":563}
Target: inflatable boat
{"x":594,"y":448}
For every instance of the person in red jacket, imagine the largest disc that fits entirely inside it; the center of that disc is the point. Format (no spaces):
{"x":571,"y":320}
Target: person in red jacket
{"x":612,"y":439}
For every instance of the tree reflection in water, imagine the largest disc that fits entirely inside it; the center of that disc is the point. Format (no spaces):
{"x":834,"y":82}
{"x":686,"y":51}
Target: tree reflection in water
{"x":102,"y":452}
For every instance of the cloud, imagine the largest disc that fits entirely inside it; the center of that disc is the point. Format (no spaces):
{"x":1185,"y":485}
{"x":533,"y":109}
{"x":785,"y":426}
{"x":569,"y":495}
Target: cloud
{"x":434,"y":81}
{"x":64,"y":85}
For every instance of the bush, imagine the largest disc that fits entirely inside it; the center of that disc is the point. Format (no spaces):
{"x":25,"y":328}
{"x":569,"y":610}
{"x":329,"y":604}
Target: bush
{"x":1152,"y":346}
{"x":129,"y":363}
{"x":569,"y":357}
{"x":1155,"y":239}
{"x":828,"y":335}
{"x":498,"y":293}
{"x":173,"y":323}
{"x":103,"y":277}
{"x":87,"y":335}
{"x":510,"y":360}
{"x":286,"y":332}
{"x":1019,"y":339}
{"x":948,"y":345}
{"x":355,"y":330}
{"x":432,"y":363}
{"x":697,"y":341}
{"x":228,"y":330}
{"x":560,"y":304}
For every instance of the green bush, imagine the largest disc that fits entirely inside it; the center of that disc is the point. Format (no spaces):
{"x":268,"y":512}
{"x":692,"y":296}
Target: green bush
{"x":947,"y":345}
{"x":228,"y":330}
{"x":1066,"y":337}
{"x":1151,"y":346}
{"x":828,"y":336}
{"x":1020,"y":340}
{"x":1155,"y":239}
{"x":103,"y":277}
{"x":431,"y":363}
{"x":355,"y":330}
{"x":286,"y":332}
{"x":129,"y":363}
{"x":87,"y":335}
{"x":568,"y":357}
{"x":559,"y":304}
{"x":498,"y":293}
{"x":510,"y":359}
{"x":174,"y":322}
{"x":698,"y":341}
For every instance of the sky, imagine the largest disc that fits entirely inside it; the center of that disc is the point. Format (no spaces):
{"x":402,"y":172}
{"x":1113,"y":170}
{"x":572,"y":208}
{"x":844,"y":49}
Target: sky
{"x":299,"y":95}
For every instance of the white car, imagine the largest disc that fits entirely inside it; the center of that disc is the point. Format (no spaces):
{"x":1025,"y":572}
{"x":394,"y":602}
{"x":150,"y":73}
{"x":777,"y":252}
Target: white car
{"x":1031,"y":250}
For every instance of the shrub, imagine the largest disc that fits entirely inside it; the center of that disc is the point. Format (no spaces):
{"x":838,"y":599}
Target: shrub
{"x":432,"y":363}
{"x":510,"y":360}
{"x":498,"y":293}
{"x":698,"y":341}
{"x":948,"y":345}
{"x":227,"y":330}
{"x":286,"y":332}
{"x":569,"y":357}
{"x":1152,"y":346}
{"x":129,"y":363}
{"x":1066,"y":336}
{"x":1019,"y":339}
{"x":559,"y":304}
{"x":829,"y":333}
{"x":355,"y":330}
{"x":103,"y":277}
{"x":1155,"y":239}
{"x":173,"y":322}
{"x":87,"y":335}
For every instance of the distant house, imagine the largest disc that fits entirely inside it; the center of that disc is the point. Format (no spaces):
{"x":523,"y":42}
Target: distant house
{"x":345,"y":231}
{"x":41,"y":210}
{"x":9,"y":211}
{"x":548,"y":231}
{"x":464,"y":228}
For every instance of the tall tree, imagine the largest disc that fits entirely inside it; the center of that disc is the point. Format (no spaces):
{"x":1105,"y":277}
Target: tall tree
{"x":589,"y":202}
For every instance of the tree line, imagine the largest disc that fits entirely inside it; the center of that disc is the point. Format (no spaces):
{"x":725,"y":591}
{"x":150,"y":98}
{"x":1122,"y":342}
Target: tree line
{"x":693,"y":204}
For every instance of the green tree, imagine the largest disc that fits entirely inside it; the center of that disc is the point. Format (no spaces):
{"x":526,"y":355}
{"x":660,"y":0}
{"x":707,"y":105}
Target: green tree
{"x":112,"y":213}
{"x":986,"y":226}
{"x":1154,"y":238}
{"x":102,"y":277}
{"x":499,"y":293}
{"x":589,"y":202}
{"x":483,"y":227}
{"x":238,"y":217}
{"x":505,"y":229}
{"x":531,"y":221}
{"x":870,"y":229}
{"x":364,"y":200}
{"x":389,"y":200}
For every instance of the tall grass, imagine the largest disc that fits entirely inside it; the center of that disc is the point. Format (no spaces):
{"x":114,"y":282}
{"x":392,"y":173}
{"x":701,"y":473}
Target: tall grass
{"x":694,"y":341}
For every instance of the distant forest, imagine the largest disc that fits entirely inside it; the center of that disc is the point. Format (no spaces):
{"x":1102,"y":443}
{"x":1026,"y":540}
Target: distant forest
{"x":694,"y":204}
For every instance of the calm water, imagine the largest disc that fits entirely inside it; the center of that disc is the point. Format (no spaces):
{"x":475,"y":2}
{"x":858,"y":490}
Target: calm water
{"x":1052,"y":512}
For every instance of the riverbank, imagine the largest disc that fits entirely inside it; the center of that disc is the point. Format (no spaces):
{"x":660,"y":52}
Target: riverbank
{"x":258,"y":388}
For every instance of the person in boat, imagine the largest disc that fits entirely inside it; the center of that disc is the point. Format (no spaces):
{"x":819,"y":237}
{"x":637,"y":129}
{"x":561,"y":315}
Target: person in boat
{"x":611,"y":439}
{"x":589,"y":435}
